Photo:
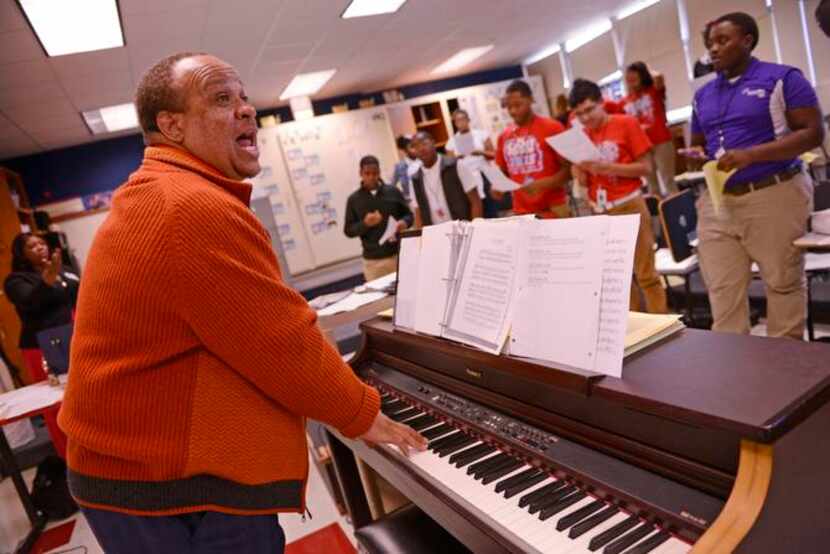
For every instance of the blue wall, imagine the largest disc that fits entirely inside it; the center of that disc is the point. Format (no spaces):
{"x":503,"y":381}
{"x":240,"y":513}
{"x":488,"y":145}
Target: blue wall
{"x":102,"y":166}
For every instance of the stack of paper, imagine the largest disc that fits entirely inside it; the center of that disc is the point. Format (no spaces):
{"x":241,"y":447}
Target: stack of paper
{"x":646,"y":329}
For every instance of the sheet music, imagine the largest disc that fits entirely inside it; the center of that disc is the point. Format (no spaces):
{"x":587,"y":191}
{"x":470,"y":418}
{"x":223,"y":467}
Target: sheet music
{"x":406,"y":295}
{"x":464,"y":143}
{"x":555,"y":317}
{"x":616,"y":286}
{"x":479,"y":314}
{"x":498,"y":180}
{"x":390,"y":232}
{"x":433,"y":285}
{"x":574,"y":145}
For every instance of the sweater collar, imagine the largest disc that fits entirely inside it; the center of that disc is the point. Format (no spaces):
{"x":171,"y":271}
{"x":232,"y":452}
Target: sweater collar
{"x":182,"y":159}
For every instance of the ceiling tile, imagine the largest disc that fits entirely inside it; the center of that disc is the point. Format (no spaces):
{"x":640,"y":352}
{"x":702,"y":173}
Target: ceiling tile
{"x":19,"y":46}
{"x":142,"y":29}
{"x":294,"y":51}
{"x":101,"y":61}
{"x":129,"y":7}
{"x":30,"y":122}
{"x":28,"y":73}
{"x":30,"y":95}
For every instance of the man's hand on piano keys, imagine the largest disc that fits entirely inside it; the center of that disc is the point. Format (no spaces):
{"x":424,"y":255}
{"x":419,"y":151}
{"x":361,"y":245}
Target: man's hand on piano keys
{"x":384,"y":430}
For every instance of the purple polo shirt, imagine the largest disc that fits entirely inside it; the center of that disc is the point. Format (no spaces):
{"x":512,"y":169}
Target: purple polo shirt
{"x":751,"y":111}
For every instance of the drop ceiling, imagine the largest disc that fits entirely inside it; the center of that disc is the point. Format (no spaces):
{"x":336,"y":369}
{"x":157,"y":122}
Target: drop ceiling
{"x":268,"y":41}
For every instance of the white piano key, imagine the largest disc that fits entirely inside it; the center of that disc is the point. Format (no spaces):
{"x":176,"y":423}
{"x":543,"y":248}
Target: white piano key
{"x":550,"y":523}
{"x":673,"y":546}
{"x":580,"y":544}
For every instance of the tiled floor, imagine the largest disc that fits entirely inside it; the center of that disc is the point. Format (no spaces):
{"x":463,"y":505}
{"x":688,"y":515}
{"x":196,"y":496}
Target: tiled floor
{"x":304,"y":537}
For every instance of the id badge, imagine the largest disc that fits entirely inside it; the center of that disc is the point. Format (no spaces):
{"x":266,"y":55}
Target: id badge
{"x":720,"y":152}
{"x":602,"y":199}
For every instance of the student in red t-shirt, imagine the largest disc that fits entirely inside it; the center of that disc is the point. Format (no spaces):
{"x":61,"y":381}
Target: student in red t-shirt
{"x":525,"y":157}
{"x":614,"y":182}
{"x":646,"y":101}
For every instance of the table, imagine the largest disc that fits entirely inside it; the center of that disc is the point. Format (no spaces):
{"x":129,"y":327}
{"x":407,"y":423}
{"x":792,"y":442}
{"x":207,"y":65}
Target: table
{"x":15,"y":405}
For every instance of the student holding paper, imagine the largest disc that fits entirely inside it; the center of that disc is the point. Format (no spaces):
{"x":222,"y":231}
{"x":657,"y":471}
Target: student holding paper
{"x":614,"y":182}
{"x":368,"y":210}
{"x":443,"y":190}
{"x":646,"y":101}
{"x":757,"y":118}
{"x":527,"y":159}
{"x":473,"y":147}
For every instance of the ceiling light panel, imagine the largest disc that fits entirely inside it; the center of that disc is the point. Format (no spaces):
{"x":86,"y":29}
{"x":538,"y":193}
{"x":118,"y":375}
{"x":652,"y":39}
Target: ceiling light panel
{"x":462,"y":58}
{"x":363,"y":8}
{"x":66,"y":27}
{"x":306,"y":84}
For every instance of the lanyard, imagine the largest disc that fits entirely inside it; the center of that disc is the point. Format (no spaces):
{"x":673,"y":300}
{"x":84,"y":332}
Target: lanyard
{"x":724,"y":109}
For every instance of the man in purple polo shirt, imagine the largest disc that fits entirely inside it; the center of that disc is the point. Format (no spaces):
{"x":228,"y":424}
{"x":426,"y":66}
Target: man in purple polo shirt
{"x":755,"y":117}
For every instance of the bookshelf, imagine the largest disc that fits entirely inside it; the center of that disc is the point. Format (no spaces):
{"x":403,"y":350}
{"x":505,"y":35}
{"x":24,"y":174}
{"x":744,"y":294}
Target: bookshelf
{"x":430,"y":118}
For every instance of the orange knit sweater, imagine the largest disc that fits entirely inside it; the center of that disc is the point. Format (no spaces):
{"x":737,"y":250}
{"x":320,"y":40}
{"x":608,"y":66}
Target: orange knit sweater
{"x":193,"y":365}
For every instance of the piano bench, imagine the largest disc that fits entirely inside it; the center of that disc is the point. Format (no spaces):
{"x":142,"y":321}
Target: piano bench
{"x":407,"y":530}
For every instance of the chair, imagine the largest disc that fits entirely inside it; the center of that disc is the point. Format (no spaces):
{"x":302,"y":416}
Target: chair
{"x":821,"y":196}
{"x":678,"y":217}
{"x":407,"y":530}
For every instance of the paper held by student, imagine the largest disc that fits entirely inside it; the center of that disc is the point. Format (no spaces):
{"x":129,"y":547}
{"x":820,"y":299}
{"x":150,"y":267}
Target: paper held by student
{"x":715,"y":182}
{"x":390,"y":234}
{"x":575,"y":146}
{"x":498,"y":180}
{"x":464,"y":144}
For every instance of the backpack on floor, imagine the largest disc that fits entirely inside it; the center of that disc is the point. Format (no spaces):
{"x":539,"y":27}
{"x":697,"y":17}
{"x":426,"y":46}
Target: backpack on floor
{"x":50,"y":491}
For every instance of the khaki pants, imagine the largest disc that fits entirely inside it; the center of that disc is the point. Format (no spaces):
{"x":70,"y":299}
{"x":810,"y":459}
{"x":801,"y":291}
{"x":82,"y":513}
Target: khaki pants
{"x":375,"y":269}
{"x":646,"y":278}
{"x":662,"y":162}
{"x":760,"y":226}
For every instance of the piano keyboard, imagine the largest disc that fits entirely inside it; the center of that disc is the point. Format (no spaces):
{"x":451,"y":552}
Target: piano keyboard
{"x":526,"y":503}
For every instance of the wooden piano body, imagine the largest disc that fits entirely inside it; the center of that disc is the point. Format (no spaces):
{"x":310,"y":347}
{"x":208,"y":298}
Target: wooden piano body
{"x":721,"y":440}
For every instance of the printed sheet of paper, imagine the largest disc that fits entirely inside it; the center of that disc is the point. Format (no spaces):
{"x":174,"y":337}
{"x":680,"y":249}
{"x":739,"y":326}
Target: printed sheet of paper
{"x":390,"y":232}
{"x":498,"y":180}
{"x":406,"y":296}
{"x":433,"y":284}
{"x":574,"y":145}
{"x":352,"y":302}
{"x":479,"y":313}
{"x":555,"y":317}
{"x":618,"y":266}
{"x":715,"y":182}
{"x":464,"y":143}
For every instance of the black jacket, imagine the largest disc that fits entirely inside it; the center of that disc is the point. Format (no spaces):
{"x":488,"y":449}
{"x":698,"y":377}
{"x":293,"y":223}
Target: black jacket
{"x":457,"y":200}
{"x":389,"y":201}
{"x":40,"y":306}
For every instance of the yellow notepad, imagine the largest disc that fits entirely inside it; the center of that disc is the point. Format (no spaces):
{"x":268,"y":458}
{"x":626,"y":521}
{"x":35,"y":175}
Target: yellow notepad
{"x":715,"y":182}
{"x":387,"y":314}
{"x":646,"y":329}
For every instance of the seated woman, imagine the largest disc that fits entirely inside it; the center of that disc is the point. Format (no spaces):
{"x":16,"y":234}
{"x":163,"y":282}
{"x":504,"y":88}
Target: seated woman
{"x":44,"y":296}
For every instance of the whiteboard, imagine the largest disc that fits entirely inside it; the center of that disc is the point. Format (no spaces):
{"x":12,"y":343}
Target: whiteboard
{"x":273,"y":182}
{"x":322,"y":155}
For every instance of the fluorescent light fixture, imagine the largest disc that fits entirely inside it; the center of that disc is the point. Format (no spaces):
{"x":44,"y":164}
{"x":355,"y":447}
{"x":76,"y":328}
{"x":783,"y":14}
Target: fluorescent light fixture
{"x":610,"y":78}
{"x":679,"y":114}
{"x":462,"y":58}
{"x":72,"y":27}
{"x":542,"y":54}
{"x":306,"y":84}
{"x":362,"y":8}
{"x":111,"y":118}
{"x":635,"y":7}
{"x":769,"y":3}
{"x":588,"y":34}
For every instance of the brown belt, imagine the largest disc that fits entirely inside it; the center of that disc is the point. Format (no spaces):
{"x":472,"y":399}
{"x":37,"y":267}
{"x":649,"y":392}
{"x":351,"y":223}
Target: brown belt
{"x":774,"y":179}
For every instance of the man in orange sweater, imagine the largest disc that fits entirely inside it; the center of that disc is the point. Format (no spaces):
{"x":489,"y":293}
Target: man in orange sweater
{"x":193,"y":365}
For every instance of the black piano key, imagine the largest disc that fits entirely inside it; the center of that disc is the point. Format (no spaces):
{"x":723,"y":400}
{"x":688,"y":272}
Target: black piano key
{"x":486,"y":469}
{"x":496,"y":474}
{"x":455,"y":447}
{"x":575,"y":517}
{"x":446,"y":439}
{"x":649,"y":544}
{"x":554,"y":509}
{"x":422,"y":422}
{"x":406,"y":414}
{"x":437,"y":432}
{"x":516,"y":479}
{"x":484,"y":464}
{"x":393,"y":407}
{"x":510,"y":492}
{"x":610,"y":534}
{"x":533,"y":496}
{"x":460,"y":459}
{"x":584,"y":526}
{"x":551,"y":498}
{"x":625,"y":541}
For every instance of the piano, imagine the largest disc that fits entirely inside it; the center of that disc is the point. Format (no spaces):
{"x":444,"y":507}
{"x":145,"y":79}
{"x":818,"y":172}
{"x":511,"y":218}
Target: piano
{"x":710,"y":443}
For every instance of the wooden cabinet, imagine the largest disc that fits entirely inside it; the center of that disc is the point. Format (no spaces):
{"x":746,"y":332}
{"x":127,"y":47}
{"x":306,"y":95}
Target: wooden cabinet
{"x":9,"y":228}
{"x":430,"y":118}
